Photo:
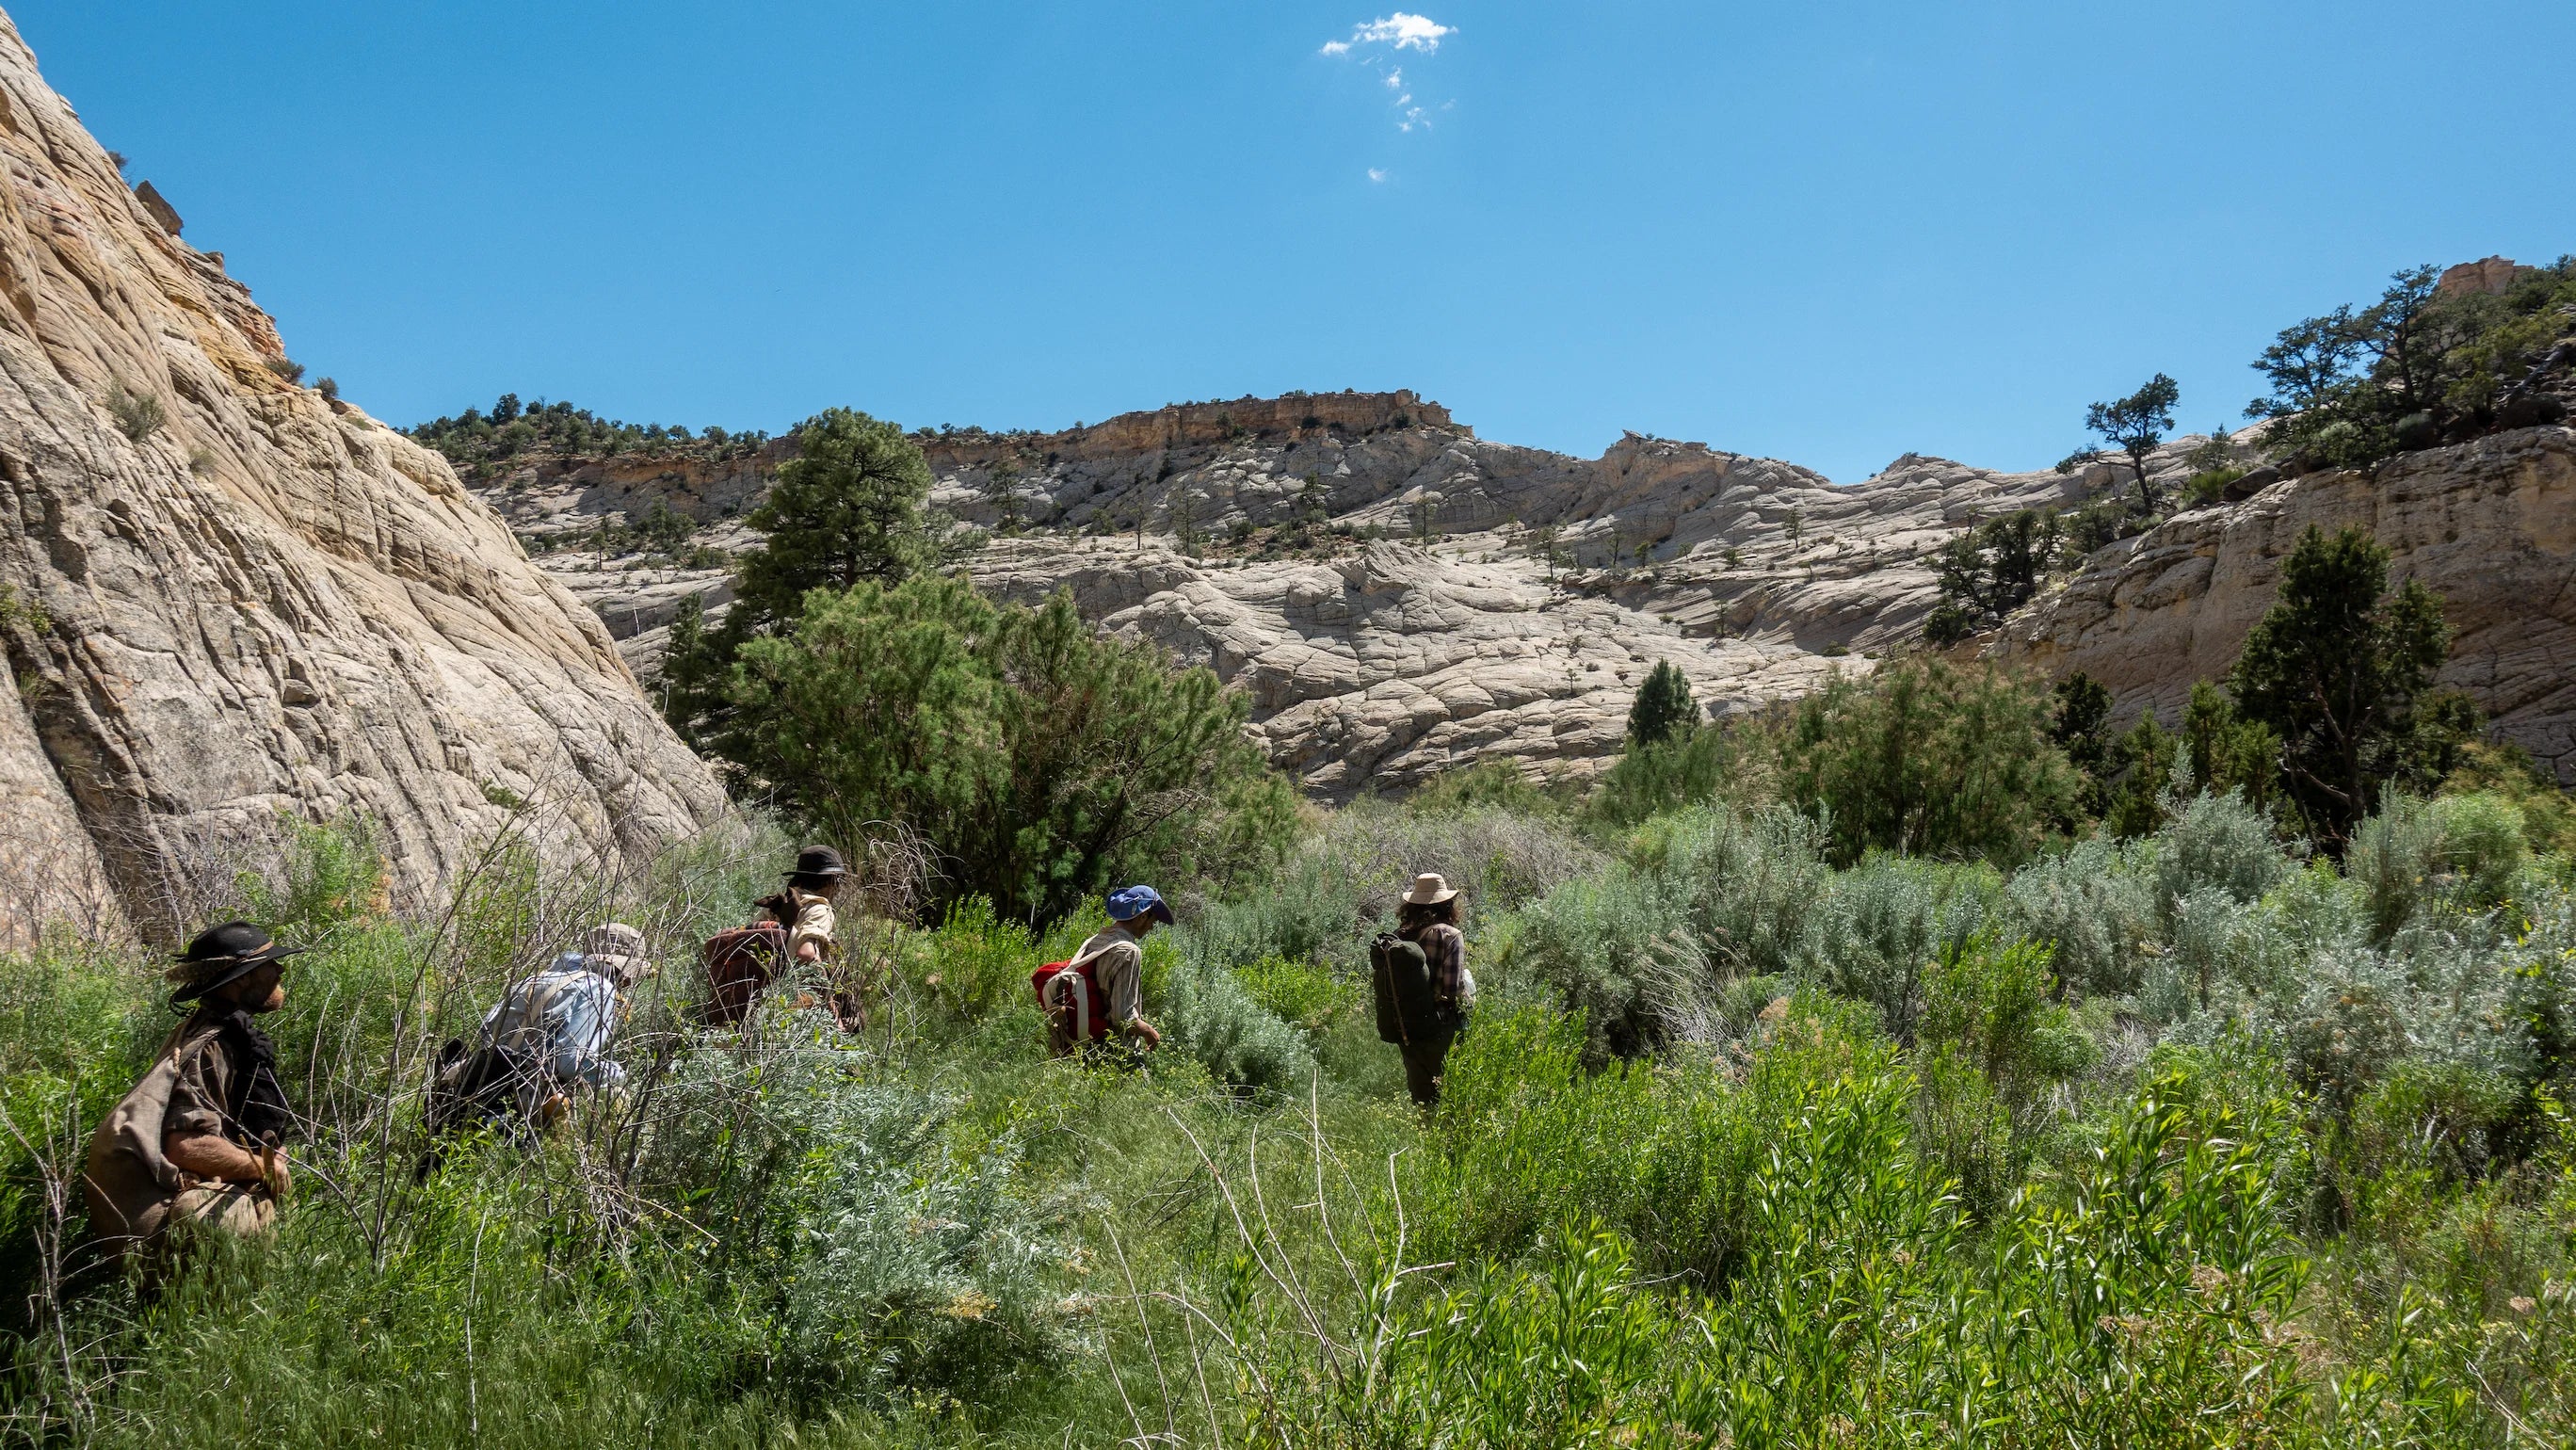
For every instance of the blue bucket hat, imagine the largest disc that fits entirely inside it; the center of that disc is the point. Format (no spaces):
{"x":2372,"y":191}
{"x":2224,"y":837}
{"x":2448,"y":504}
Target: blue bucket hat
{"x":1136,"y":901}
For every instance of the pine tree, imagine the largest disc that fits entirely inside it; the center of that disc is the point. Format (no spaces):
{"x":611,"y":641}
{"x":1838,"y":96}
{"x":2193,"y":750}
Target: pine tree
{"x":2334,"y":669}
{"x":1664,"y":708}
{"x":846,"y":510}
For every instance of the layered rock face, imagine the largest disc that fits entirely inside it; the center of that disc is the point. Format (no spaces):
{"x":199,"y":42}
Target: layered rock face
{"x":2489,"y":525}
{"x":1521,"y":597}
{"x":1457,"y":600}
{"x":231,"y":598}
{"x":1453,"y":600}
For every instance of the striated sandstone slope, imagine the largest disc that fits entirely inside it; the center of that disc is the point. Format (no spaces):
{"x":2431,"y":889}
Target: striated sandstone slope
{"x":267,"y":603}
{"x":1389,"y":662}
{"x":2489,"y":525}
{"x":1378,"y":664}
{"x":1375,"y":664}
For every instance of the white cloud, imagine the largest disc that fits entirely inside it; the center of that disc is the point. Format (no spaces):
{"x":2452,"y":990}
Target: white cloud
{"x":1395,"y":79}
{"x":1375,"y":174}
{"x":1402,"y":30}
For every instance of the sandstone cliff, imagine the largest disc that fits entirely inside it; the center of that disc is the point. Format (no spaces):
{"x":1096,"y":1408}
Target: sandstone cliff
{"x":231,"y":596}
{"x":1399,"y":596}
{"x":2489,"y":525}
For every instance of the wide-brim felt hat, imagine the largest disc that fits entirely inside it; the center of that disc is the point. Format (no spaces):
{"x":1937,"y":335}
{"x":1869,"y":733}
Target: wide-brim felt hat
{"x":221,"y":955}
{"x":818,"y":861}
{"x":1429,"y":889}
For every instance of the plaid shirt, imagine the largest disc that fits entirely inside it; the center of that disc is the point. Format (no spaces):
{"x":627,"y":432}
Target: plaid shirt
{"x":1446,"y":949}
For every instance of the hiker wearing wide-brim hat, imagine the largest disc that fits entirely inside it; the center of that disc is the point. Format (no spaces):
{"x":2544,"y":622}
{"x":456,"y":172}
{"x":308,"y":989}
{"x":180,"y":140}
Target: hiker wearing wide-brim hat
{"x":220,"y":956}
{"x":196,"y":1141}
{"x":1424,"y":989}
{"x":805,"y":907}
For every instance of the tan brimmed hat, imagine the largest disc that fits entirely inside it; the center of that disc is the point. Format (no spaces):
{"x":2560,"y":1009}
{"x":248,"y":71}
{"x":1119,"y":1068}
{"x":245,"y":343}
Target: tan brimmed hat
{"x":616,"y":951}
{"x":1429,"y":889}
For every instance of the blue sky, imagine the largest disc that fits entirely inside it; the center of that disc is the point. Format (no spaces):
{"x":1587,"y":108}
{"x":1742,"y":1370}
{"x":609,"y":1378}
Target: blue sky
{"x":1826,"y":232}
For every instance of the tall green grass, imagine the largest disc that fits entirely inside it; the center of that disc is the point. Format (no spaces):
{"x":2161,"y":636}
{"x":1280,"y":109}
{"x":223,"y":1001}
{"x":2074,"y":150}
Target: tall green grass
{"x":2188,"y":1140}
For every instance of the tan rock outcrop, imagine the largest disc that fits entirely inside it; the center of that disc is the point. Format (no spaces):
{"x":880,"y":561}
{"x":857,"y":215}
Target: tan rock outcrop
{"x":234,"y":598}
{"x":2491,"y":275}
{"x":1375,"y":658}
{"x":2488,"y":525}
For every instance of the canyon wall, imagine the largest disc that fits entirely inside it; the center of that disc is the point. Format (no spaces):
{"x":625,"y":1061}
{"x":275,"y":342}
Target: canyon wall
{"x":2488,"y":525}
{"x":231,"y":598}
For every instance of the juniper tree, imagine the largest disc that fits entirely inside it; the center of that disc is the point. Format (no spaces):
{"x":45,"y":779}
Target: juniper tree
{"x":2334,"y":669}
{"x":1663,"y":709}
{"x":2134,"y":425}
{"x":846,"y":510}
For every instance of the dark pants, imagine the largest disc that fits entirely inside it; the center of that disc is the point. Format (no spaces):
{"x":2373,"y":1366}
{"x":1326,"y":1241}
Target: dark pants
{"x":1423,"y":1059}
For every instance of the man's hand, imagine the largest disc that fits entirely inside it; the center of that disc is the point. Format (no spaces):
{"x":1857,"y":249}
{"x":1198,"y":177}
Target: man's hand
{"x":806,"y":951}
{"x":1143,"y":1031}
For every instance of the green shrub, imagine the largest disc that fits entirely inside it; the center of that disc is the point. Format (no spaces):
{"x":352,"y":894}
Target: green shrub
{"x":1887,"y":922}
{"x":2207,"y":486}
{"x":138,"y":415}
{"x":1042,"y":761}
{"x":1926,"y":758}
{"x":2094,"y":905}
{"x":1302,"y":994}
{"x":1698,"y":767}
{"x":2216,"y":842}
{"x":1208,"y":1012}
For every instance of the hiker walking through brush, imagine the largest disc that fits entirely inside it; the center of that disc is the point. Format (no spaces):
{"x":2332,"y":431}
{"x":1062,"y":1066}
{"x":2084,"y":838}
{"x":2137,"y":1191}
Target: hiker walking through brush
{"x":195,"y":1142}
{"x":798,"y":926}
{"x":1424,"y":990}
{"x":548,"y":1036}
{"x":1108,"y":973}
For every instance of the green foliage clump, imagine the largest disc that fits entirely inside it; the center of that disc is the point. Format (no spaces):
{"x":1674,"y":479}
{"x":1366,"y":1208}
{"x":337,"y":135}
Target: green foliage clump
{"x":1663,"y":709}
{"x":138,"y":414}
{"x":2334,"y":670}
{"x":846,"y":511}
{"x":1037,"y":757}
{"x":476,"y":441}
{"x":2413,"y":369}
{"x":1989,"y":571}
{"x":1714,"y":762}
{"x":1928,"y":758}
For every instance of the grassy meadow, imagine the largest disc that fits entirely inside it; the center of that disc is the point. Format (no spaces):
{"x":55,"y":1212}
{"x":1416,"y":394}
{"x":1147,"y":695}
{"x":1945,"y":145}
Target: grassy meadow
{"x":2193,"y":1139}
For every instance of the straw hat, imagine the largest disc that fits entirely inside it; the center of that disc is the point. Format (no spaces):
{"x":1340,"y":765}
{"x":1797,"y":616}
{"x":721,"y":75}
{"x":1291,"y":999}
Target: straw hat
{"x":1429,"y":889}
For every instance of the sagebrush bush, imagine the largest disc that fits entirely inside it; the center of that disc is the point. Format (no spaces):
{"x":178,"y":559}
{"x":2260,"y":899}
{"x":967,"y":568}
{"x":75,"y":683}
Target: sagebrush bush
{"x":2094,"y":906}
{"x":1888,"y":921}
